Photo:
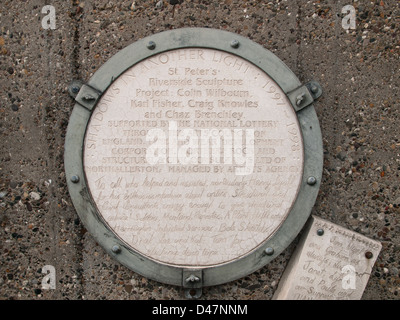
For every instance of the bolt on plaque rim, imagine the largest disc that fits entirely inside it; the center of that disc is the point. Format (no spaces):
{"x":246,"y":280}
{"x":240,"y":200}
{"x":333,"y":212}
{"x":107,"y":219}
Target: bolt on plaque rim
{"x":194,"y":38}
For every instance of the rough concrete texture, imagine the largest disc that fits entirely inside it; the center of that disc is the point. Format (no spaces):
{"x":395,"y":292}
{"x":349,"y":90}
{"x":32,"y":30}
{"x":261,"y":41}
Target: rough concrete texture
{"x":358,"y":113}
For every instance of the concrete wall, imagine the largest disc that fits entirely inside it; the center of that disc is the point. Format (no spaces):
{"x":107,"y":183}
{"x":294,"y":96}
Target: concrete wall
{"x":358,"y":113}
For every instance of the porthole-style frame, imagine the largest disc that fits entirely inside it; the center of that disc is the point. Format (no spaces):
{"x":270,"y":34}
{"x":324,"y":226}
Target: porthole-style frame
{"x":301,"y":97}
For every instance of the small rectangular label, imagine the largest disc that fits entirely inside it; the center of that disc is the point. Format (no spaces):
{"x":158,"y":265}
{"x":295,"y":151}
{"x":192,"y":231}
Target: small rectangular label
{"x":329,"y":263}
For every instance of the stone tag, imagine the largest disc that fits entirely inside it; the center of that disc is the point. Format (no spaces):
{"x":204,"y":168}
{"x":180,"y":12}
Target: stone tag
{"x":329,"y":263}
{"x":194,"y":157}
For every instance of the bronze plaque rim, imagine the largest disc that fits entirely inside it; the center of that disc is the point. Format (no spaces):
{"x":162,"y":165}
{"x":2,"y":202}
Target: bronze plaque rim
{"x":176,"y":39}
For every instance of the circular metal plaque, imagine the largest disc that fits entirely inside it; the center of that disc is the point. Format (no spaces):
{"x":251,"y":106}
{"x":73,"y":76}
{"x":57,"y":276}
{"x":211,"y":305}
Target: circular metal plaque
{"x":188,"y":154}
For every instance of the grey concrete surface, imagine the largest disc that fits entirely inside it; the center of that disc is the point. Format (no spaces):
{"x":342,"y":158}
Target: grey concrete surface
{"x":358,"y":113}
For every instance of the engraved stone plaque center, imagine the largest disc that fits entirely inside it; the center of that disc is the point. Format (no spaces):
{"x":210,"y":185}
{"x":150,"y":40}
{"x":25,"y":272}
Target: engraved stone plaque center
{"x":193,"y":157}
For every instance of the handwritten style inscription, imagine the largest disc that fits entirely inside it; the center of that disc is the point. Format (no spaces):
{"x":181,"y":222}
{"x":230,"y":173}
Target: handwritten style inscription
{"x":334,"y":266}
{"x":200,"y":213}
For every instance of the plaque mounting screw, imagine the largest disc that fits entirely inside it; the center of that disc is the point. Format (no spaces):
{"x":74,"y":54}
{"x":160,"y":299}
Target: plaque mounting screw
{"x":320,"y":232}
{"x":311,"y":181}
{"x":314,"y":88}
{"x":75,"y":179}
{"x":369,"y":255}
{"x":88,"y":97}
{"x":75,"y":89}
{"x":116,"y":249}
{"x":192,"y":278}
{"x":269,"y":251}
{"x":151,"y":45}
{"x":235,"y":44}
{"x":299,"y":99}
